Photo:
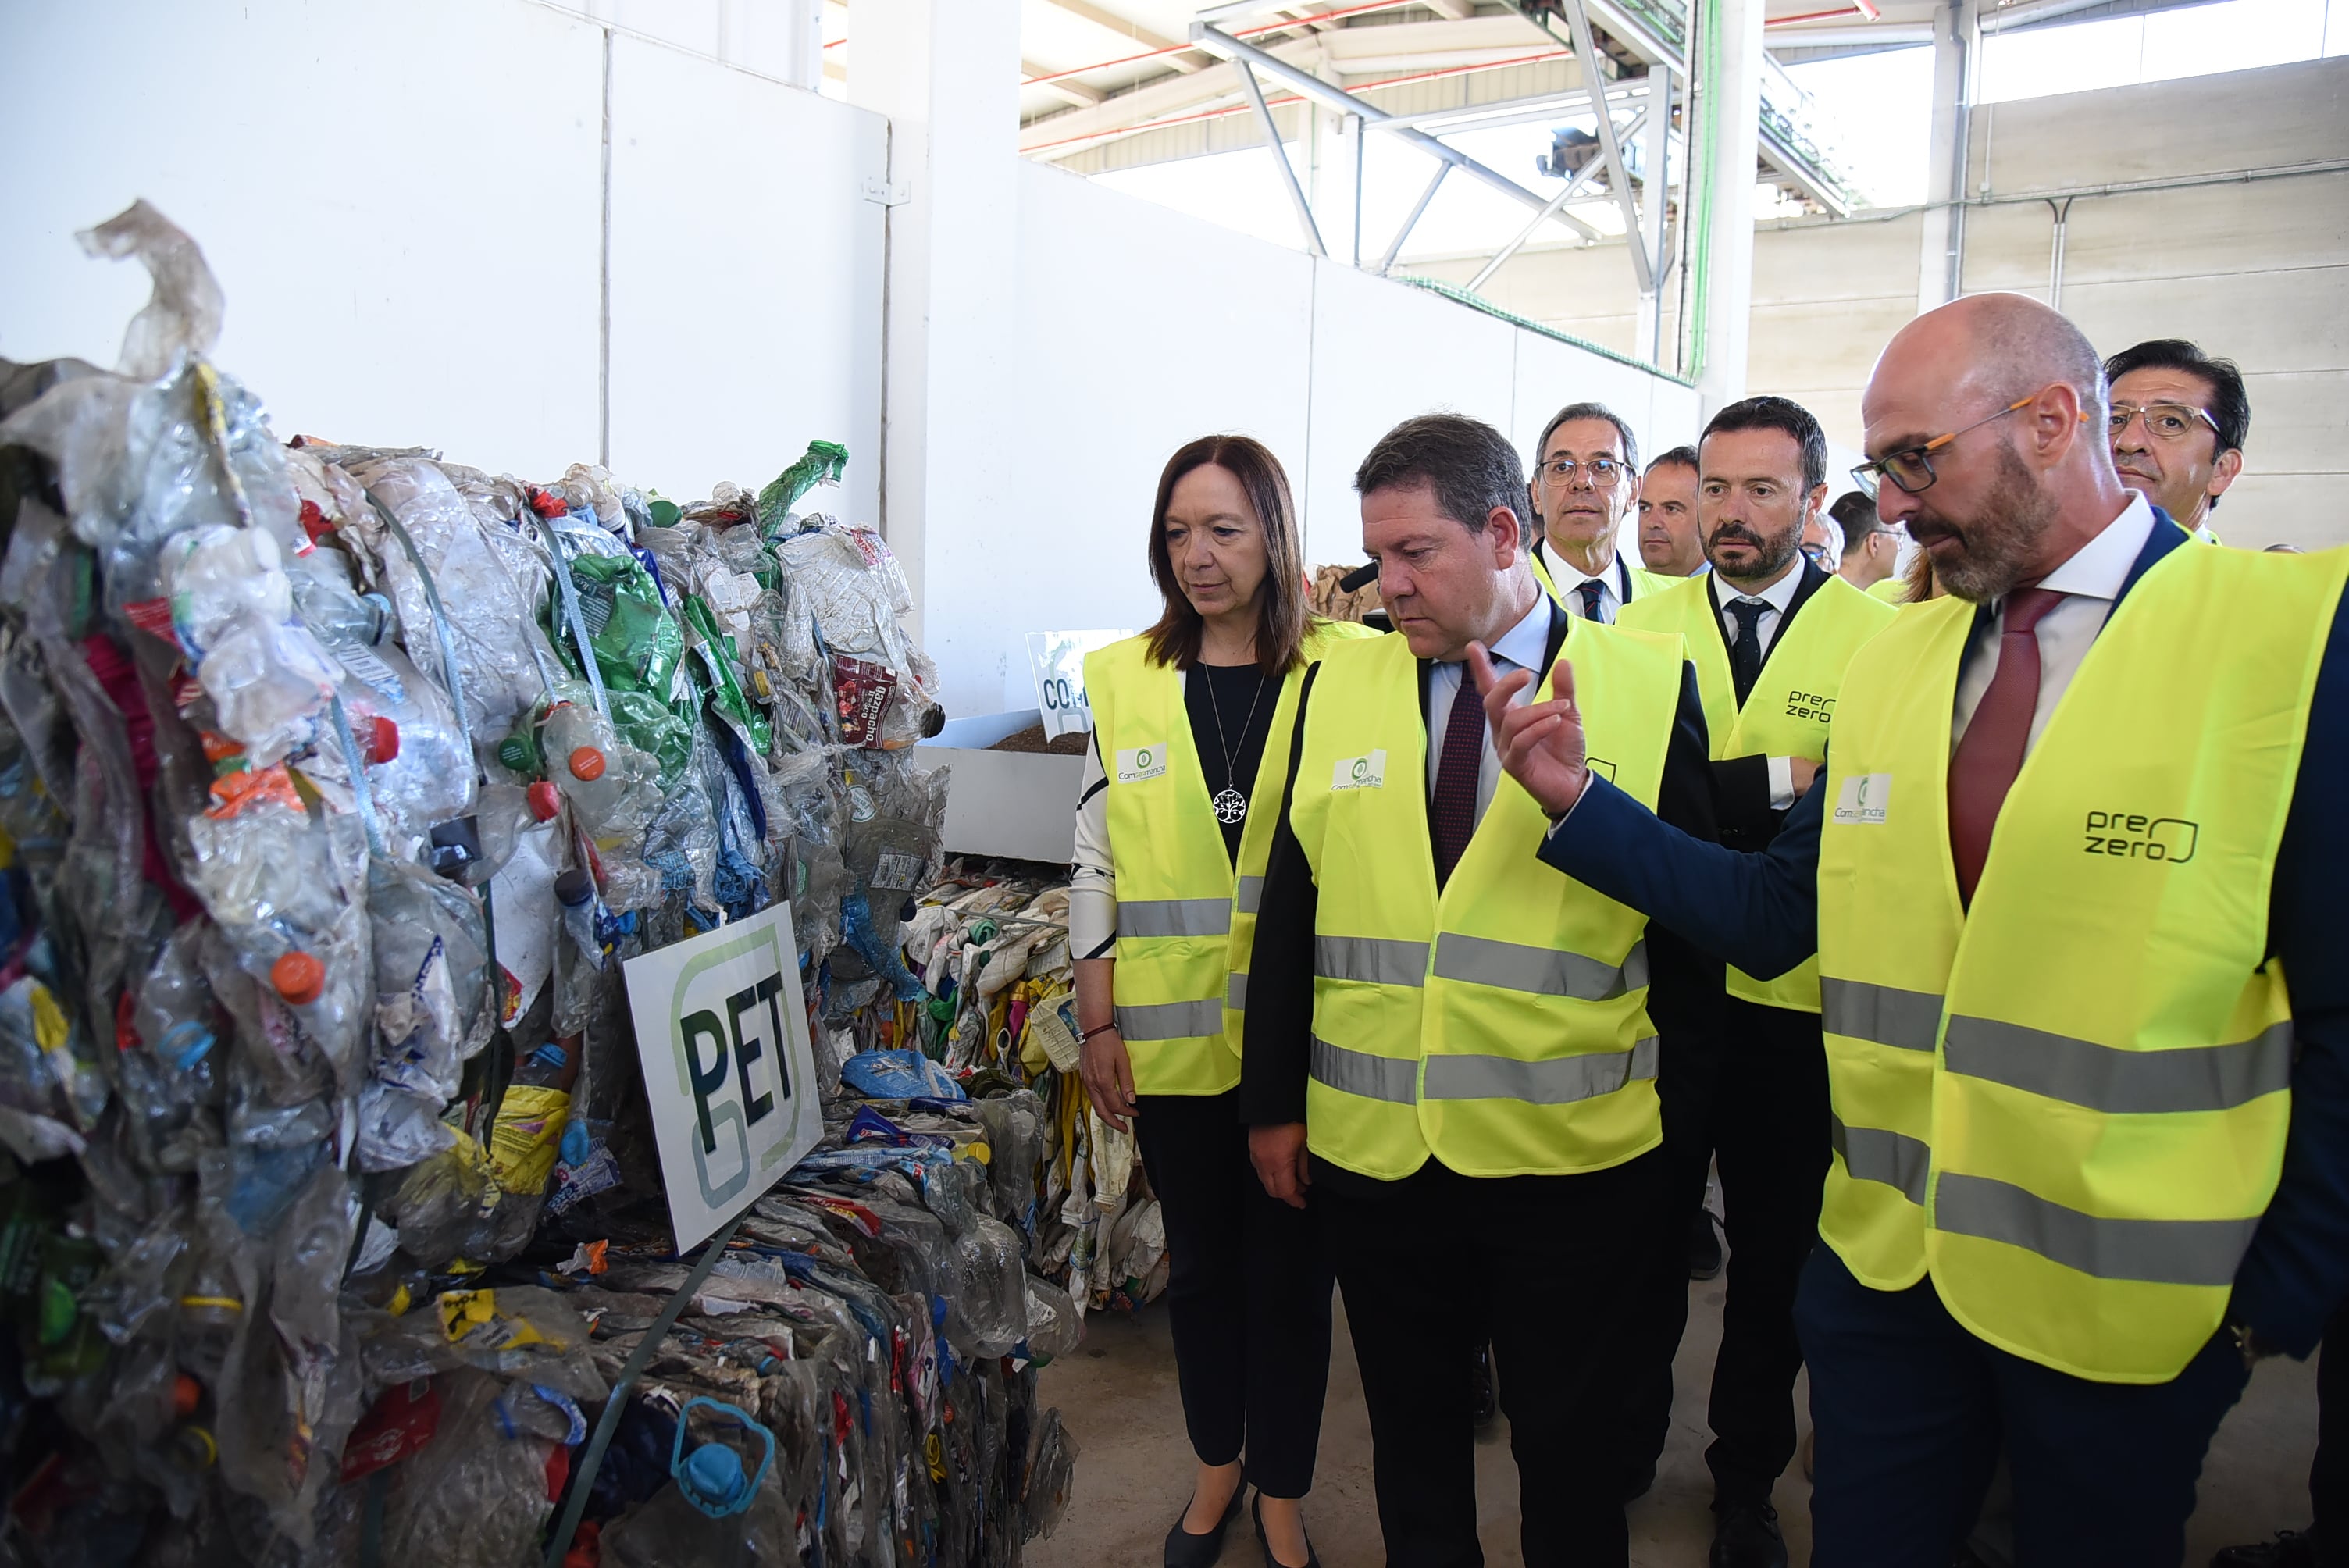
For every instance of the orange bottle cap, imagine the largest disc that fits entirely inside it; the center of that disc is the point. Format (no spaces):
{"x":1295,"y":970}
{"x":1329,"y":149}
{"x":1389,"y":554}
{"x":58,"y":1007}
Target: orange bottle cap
{"x":384,"y":740}
{"x":546,"y":804}
{"x":186,"y":1395}
{"x":299,"y":978}
{"x":588,"y":763}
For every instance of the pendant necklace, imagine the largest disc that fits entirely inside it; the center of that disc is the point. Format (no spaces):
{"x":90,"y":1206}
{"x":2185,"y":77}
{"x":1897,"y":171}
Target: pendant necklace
{"x":1230,"y":805}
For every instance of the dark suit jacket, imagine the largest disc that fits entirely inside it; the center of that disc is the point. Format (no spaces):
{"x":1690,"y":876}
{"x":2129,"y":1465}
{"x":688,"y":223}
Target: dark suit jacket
{"x":1761,"y":913}
{"x":1277,"y":1045}
{"x":1741,"y":784}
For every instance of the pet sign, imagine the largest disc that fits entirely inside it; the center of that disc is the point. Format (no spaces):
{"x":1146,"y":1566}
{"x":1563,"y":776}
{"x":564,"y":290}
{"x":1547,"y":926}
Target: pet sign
{"x":722,"y":1035}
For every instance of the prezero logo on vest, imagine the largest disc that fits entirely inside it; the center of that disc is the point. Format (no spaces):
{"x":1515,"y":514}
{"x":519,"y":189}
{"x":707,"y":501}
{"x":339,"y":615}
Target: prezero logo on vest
{"x":2135,"y":837}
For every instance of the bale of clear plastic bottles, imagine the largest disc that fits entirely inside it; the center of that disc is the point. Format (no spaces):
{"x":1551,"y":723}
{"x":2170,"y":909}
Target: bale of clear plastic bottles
{"x":335,"y":784}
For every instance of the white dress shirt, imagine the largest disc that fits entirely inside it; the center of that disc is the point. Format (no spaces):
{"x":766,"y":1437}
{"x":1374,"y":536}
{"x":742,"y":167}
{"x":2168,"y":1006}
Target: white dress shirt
{"x":2091,"y":580}
{"x":1774,"y":601}
{"x":1614,"y":583}
{"x":1520,"y":647}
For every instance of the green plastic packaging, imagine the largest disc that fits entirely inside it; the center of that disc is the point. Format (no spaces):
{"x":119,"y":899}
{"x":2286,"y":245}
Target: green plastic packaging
{"x":822,"y":463}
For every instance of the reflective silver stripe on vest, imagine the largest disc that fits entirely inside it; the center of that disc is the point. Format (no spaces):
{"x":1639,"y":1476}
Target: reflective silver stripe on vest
{"x":1873,"y":1154}
{"x":1358,"y":1072}
{"x":1558,"y":1080}
{"x":1235,"y":990}
{"x":1171,"y":1020}
{"x":2081,"y":1072}
{"x":1544,"y":971}
{"x":1374,"y":960}
{"x":2159,"y":1251}
{"x":1251,"y":894}
{"x":1905,"y":1020}
{"x":1173,"y":917}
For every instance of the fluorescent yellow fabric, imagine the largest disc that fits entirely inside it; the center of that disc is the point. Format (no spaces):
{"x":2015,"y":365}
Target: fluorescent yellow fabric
{"x":1644,"y":582}
{"x":1893,"y":591}
{"x":1175,"y":883}
{"x":2069,"y":1104}
{"x":1256,"y":834}
{"x":1502,"y":1027}
{"x":1789,"y":712}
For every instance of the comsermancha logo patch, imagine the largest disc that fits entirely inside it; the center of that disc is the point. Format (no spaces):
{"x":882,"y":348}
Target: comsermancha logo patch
{"x":2125,"y":836}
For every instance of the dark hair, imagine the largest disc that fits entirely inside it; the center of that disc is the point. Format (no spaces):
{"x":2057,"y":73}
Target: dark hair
{"x":1684,"y":456}
{"x":1854,"y":512}
{"x":1594,"y":411}
{"x":1280,"y":601}
{"x":1778,"y":414}
{"x":1469,"y":465}
{"x":2231,"y":406}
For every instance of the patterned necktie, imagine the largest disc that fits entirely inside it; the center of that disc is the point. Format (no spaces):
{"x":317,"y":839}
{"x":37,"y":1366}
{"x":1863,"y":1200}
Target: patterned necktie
{"x":1590,"y":589}
{"x":1451,"y":812}
{"x":1745,"y":654}
{"x":1983,"y":766}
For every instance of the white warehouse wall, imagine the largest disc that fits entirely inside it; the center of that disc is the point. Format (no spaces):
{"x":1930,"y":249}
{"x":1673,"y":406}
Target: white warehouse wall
{"x":2256,"y":271}
{"x":406,"y":213}
{"x":1145,"y":328}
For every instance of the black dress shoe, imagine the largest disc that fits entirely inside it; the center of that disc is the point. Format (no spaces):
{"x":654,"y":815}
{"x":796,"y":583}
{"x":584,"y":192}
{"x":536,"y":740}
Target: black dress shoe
{"x":2289,"y":1549}
{"x":1483,"y":1399}
{"x":1745,"y":1535}
{"x":1255,"y":1510}
{"x":1704,"y":1247}
{"x":1185,"y":1549}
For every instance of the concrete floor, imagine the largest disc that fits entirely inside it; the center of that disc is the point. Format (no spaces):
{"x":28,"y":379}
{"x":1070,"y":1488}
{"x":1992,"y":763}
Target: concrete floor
{"x":1118,"y":1396}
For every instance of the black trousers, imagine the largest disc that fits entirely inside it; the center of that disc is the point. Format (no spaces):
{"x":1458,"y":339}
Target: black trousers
{"x":2328,"y":1475}
{"x":1248,"y":1294}
{"x":1544,"y":1264}
{"x":1912,"y":1410}
{"x":1754,"y":1095}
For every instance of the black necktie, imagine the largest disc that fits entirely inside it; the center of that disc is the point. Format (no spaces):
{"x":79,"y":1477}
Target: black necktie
{"x":1745,"y":654}
{"x":1590,"y":589}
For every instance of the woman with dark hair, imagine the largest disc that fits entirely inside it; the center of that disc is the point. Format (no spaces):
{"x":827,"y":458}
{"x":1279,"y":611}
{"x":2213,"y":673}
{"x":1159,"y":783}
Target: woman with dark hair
{"x":1192,"y":722}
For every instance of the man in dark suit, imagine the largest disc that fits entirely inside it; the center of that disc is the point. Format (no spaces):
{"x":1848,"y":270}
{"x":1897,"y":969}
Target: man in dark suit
{"x":1448,"y":1043}
{"x":1770,"y":635}
{"x":2029,"y":1240}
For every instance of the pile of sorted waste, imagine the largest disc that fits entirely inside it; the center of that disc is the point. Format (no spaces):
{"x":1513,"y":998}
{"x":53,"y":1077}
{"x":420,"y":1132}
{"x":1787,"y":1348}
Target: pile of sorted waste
{"x":337,"y":783}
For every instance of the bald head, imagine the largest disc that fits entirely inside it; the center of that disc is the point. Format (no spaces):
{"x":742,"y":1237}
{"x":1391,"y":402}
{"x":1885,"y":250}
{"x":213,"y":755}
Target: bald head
{"x":1994,"y":345}
{"x":2004,"y":400}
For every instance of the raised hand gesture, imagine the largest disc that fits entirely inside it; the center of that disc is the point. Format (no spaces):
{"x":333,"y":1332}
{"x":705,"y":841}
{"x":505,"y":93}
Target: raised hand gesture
{"x":1539,"y":743}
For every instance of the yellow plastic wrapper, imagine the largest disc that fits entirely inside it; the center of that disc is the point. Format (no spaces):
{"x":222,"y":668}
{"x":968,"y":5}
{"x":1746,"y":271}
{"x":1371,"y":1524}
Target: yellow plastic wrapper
{"x":527,"y":1136}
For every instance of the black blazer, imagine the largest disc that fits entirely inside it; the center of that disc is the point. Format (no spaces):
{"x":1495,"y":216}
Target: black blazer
{"x":1276,"y":1048}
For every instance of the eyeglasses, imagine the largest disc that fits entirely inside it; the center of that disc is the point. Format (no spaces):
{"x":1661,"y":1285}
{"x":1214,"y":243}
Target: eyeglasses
{"x":1912,"y":467}
{"x":2169,"y":422}
{"x":1603,"y":471}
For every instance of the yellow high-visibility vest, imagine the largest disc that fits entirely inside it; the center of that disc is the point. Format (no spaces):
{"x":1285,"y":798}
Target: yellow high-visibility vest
{"x":1892,"y":591}
{"x":1177,"y":940}
{"x":1787,"y":714}
{"x":2068,"y":1104}
{"x":1503,"y":1025}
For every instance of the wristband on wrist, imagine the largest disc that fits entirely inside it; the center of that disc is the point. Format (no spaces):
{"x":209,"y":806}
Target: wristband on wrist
{"x":1097,"y":1029}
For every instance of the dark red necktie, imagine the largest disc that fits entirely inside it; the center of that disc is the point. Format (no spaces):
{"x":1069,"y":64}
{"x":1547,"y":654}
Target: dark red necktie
{"x":1451,"y":812}
{"x":1983,"y":766}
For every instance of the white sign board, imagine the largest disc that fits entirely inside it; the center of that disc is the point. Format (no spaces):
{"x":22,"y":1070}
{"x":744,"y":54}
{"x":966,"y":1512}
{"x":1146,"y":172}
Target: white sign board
{"x":722,"y":1032}
{"x":1058,"y":659}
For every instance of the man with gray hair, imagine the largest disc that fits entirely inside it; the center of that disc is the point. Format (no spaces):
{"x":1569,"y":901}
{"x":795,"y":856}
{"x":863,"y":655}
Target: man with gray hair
{"x":2086,"y":1021}
{"x":1585,"y":482}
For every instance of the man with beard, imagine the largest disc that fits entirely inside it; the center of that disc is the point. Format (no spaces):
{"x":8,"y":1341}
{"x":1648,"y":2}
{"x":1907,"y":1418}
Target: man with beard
{"x":1668,"y":541}
{"x":1584,"y":483}
{"x":2179,"y":418}
{"x":1770,"y":635}
{"x":2090,"y":1070}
